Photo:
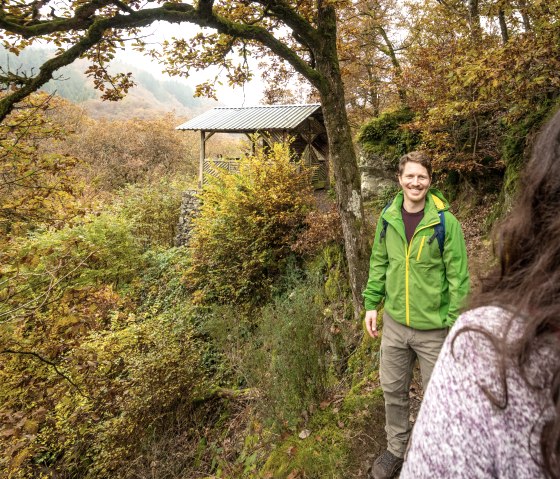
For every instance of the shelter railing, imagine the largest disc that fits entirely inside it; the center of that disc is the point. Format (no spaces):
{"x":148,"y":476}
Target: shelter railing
{"x":211,"y":165}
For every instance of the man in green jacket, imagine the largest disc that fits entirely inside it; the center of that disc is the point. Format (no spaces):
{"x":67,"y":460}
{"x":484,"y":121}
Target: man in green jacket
{"x":419,"y":270}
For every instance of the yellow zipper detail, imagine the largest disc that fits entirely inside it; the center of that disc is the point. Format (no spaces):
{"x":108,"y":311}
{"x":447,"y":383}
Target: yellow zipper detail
{"x":420,"y":249}
{"x":407,"y":313}
{"x":407,"y":251}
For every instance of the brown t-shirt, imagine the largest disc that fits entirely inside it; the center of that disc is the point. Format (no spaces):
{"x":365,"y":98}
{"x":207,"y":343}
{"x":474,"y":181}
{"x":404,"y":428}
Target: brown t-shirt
{"x":411,"y":221}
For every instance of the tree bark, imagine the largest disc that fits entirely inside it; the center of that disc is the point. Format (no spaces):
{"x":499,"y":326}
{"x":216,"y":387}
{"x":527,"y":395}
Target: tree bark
{"x":372,"y":92}
{"x":503,"y":26}
{"x":390,"y":52}
{"x":524,"y":15}
{"x":343,"y":157}
{"x":474,"y":20}
{"x":348,"y":190}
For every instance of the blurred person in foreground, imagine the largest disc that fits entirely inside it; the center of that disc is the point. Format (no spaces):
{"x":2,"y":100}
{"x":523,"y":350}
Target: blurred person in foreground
{"x":492,"y":408}
{"x":418,"y":270}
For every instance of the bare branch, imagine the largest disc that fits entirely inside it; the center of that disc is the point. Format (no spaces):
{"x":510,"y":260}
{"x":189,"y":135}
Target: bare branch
{"x":50,"y":363}
{"x":177,"y":13}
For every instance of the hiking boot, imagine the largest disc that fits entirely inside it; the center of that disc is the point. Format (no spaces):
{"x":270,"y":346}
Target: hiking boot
{"x":385,"y":466}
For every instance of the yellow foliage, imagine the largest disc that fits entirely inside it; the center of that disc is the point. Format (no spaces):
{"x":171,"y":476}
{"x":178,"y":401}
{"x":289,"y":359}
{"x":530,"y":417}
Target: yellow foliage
{"x":38,"y":188}
{"x":466,"y":92}
{"x":246,"y":226}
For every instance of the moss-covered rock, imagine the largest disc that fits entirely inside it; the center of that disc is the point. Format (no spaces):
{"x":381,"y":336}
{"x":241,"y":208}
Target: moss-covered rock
{"x":385,"y":135}
{"x":382,"y":142}
{"x":516,"y":144}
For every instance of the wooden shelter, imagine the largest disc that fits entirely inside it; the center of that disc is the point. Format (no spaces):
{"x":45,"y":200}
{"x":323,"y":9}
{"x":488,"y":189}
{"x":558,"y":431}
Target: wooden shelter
{"x":266,"y":124}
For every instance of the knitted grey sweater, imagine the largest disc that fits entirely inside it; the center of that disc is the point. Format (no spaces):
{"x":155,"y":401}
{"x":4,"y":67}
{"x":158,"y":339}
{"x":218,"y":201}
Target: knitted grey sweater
{"x":459,"y":432}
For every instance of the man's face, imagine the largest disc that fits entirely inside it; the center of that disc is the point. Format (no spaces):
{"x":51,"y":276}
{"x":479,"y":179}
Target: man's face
{"x":415,"y":182}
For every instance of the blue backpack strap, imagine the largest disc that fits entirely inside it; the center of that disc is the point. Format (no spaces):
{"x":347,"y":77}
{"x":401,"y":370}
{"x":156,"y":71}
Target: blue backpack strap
{"x":439,"y":232}
{"x":385,"y":224}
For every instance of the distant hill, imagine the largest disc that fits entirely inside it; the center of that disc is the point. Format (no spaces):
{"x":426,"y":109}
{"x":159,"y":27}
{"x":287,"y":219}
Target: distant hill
{"x":150,"y":97}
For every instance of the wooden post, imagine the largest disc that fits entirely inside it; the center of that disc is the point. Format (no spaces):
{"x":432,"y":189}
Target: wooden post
{"x":202,"y":156}
{"x":252,"y":140}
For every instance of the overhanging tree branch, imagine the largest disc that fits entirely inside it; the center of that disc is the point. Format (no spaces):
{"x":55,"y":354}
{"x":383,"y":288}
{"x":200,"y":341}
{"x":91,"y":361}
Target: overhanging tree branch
{"x":48,"y":68}
{"x":82,"y":19}
{"x":173,"y":13}
{"x":177,"y":13}
{"x":299,"y":25}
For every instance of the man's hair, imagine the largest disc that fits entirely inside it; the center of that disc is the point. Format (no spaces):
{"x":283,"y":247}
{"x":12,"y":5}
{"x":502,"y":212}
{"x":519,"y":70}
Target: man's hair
{"x":420,"y":157}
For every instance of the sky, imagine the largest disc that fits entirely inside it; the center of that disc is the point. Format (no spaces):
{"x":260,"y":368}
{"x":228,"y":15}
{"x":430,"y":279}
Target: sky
{"x":250,"y":94}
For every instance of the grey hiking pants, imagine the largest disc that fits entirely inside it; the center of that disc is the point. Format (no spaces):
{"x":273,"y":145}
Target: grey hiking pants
{"x":400,"y":346}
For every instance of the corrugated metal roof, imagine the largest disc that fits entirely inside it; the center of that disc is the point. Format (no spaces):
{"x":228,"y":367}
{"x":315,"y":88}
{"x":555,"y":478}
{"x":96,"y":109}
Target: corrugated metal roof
{"x":252,"y":118}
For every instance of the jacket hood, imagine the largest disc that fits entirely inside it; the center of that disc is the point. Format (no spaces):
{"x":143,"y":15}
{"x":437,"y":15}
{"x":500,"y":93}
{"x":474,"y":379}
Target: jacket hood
{"x":440,"y":202}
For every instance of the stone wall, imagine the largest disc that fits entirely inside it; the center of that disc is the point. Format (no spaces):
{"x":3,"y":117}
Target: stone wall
{"x":189,"y":209}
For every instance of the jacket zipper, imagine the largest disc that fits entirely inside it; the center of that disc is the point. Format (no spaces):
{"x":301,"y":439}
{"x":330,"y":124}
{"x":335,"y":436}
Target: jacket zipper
{"x":407,"y":251}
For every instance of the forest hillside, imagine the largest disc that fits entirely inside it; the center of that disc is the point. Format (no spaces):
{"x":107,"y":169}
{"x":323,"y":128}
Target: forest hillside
{"x":150,"y":96}
{"x":240,"y":354}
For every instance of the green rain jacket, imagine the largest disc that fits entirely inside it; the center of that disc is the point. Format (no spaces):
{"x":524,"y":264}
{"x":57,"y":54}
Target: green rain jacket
{"x":422,"y":288}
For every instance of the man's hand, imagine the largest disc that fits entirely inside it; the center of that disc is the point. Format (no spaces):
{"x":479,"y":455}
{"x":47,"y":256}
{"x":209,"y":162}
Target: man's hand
{"x":371,"y":323}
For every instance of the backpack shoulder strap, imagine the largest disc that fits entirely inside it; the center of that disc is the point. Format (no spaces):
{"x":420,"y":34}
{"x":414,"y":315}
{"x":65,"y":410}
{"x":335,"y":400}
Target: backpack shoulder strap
{"x":385,"y":224}
{"x":439,"y":232}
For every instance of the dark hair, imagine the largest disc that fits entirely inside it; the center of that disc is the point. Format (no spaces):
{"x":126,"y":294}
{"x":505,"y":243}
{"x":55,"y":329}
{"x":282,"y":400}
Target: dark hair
{"x":527,"y":278}
{"x":420,"y":157}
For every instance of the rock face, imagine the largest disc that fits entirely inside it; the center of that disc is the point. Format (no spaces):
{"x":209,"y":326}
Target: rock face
{"x":377,"y":174}
{"x":189,"y":209}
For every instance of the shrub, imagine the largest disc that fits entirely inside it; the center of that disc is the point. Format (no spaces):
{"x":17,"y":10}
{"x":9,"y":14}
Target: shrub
{"x":160,"y":375}
{"x":386,"y":135}
{"x":37,"y":187}
{"x":91,"y":377}
{"x":121,"y":152}
{"x":323,"y":228}
{"x":100,"y":250}
{"x":289,"y":365}
{"x":153,"y":210}
{"x":247,"y":223}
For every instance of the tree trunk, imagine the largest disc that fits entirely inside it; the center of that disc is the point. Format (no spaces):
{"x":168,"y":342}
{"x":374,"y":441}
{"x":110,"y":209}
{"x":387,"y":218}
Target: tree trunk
{"x":372,"y":92}
{"x":343,"y":157}
{"x":474,"y":20}
{"x":524,"y":15}
{"x":503,"y":26}
{"x":348,"y":191}
{"x":396,"y":65}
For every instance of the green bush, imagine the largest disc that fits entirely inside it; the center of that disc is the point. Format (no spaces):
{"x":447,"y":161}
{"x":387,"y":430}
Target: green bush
{"x":153,"y":210}
{"x":248,"y":221}
{"x":101,"y":250}
{"x":290,"y":362}
{"x":161,"y":374}
{"x":94,"y":377}
{"x":294,"y":348}
{"x":386,"y":137}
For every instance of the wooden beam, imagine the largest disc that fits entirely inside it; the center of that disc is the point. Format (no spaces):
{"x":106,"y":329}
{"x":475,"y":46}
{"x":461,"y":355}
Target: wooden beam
{"x":203,"y":140}
{"x":202,"y":157}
